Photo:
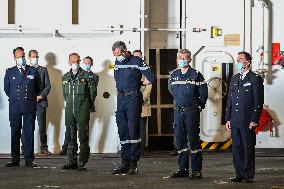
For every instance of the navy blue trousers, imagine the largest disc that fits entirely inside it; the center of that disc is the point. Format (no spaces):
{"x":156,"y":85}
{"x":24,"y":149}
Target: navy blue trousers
{"x":28,"y":131}
{"x":41,"y":119}
{"x":128,"y":122}
{"x":186,"y":130}
{"x":243,"y":148}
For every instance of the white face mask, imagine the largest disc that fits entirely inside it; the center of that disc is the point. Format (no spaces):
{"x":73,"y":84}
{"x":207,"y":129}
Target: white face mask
{"x":21,"y":61}
{"x":34,"y":61}
{"x":75,"y":66}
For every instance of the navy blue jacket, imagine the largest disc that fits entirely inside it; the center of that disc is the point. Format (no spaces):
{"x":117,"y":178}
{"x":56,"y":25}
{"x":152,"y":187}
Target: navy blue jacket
{"x":22,"y":89}
{"x":128,"y":74}
{"x":189,"y":89}
{"x":245,"y":99}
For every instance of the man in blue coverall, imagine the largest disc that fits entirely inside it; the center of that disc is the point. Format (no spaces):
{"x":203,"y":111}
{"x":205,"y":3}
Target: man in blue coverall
{"x":244,"y":106}
{"x":190,"y":95}
{"x":127,"y":74}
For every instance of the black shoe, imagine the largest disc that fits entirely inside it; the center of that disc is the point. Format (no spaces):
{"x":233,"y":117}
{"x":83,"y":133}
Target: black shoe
{"x":82,"y":166}
{"x":133,"y":169}
{"x":45,"y":152}
{"x":12,"y":164}
{"x":196,"y":175}
{"x":236,"y":179}
{"x":180,"y":174}
{"x":70,"y":166}
{"x":174,"y":152}
{"x":122,"y":169}
{"x":30,"y":164}
{"x":248,"y":180}
{"x":63,"y":152}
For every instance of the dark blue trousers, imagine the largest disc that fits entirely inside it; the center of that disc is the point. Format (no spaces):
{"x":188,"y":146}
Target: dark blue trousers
{"x":28,"y":131}
{"x":41,"y":119}
{"x":186,"y":130}
{"x":128,"y":123}
{"x":243,"y":147}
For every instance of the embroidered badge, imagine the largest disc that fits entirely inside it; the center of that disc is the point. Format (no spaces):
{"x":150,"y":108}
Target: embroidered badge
{"x":247,"y":84}
{"x":30,"y":76}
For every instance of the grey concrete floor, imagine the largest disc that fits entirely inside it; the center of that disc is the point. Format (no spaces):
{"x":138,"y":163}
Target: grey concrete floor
{"x":153,"y":172}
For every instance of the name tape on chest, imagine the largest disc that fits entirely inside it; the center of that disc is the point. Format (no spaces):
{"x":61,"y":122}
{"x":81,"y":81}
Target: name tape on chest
{"x":188,"y":82}
{"x":116,"y":67}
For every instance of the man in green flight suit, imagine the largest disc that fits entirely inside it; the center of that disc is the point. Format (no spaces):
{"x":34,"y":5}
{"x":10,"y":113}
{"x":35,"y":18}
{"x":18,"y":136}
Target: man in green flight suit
{"x":78,"y":92}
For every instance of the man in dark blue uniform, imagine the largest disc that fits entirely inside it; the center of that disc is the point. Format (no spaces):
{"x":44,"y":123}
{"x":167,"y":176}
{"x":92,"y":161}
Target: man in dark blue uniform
{"x":190,"y":95}
{"x":22,"y":86}
{"x":127,"y":74}
{"x":42,"y":102}
{"x":244,"y":106}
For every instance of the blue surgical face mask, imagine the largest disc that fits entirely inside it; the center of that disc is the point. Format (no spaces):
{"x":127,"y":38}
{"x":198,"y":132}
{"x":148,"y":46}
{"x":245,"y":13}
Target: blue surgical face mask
{"x":21,"y":61}
{"x":240,"y":67}
{"x":86,"y":67}
{"x":183,"y":63}
{"x":75,"y":66}
{"x":34,"y":61}
{"x":120,"y":58}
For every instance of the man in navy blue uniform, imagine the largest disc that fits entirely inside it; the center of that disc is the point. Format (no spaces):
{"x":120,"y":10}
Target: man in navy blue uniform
{"x":244,"y":106}
{"x":190,"y":95}
{"x":22,"y":86}
{"x":127,"y":74}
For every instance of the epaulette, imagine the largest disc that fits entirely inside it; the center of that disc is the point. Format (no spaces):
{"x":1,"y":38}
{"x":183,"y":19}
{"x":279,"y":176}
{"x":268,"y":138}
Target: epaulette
{"x":171,"y":72}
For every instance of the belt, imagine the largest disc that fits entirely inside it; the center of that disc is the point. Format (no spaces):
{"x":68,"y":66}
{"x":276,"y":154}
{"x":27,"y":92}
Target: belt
{"x":185,"y":109}
{"x":128,"y":93}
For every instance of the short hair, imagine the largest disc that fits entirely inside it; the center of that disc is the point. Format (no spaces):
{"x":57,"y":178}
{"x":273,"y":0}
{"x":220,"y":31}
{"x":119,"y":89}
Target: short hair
{"x":18,"y":48}
{"x":137,"y":51}
{"x":119,"y":44}
{"x":247,"y":55}
{"x":74,"y":54}
{"x":184,"y":51}
{"x":90,"y":58}
{"x":32,"y":51}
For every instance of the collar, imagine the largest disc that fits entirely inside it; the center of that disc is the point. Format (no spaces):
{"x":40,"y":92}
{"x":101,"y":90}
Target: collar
{"x":23,"y":67}
{"x":243,"y":75}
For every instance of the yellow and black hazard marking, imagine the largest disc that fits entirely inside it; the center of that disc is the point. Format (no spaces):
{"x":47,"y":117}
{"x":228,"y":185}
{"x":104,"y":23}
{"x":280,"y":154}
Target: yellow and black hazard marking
{"x":212,"y":146}
{"x":111,"y":66}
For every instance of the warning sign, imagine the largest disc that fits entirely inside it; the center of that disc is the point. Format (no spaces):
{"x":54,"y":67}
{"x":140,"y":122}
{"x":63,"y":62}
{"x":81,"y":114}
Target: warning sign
{"x":232,"y":39}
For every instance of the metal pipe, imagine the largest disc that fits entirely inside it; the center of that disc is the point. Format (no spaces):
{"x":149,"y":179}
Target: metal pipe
{"x":86,"y":30}
{"x":180,"y":23}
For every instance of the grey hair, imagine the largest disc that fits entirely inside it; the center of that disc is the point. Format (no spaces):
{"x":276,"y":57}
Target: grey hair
{"x":184,"y":51}
{"x":119,"y":44}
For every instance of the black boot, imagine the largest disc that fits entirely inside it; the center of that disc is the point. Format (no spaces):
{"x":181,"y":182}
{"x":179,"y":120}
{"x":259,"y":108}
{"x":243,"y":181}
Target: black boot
{"x":70,"y":166}
{"x":133,"y":169}
{"x":196,"y":175}
{"x":82,"y":166}
{"x":123,"y":168}
{"x":180,"y":173}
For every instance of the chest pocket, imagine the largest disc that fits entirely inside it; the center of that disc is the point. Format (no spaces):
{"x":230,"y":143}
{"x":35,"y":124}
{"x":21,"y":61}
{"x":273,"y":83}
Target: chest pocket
{"x":81,"y":87}
{"x":66,"y":87}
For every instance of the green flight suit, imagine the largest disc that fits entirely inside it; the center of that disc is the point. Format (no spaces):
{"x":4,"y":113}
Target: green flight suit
{"x":78,"y":92}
